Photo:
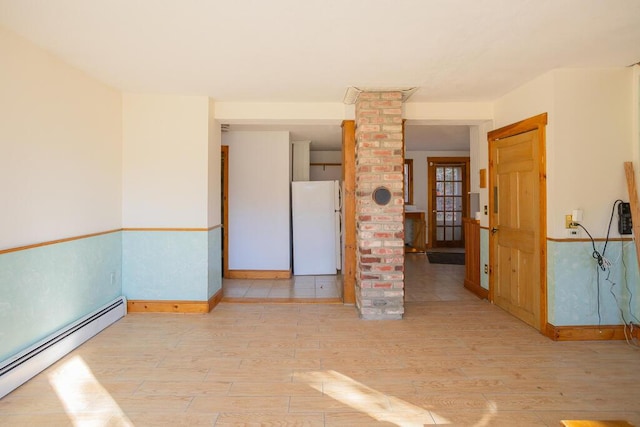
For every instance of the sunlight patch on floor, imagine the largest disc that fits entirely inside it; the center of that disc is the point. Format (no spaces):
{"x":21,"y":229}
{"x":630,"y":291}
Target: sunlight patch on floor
{"x":367,"y":400}
{"x":492,"y":410}
{"x":85,"y":401}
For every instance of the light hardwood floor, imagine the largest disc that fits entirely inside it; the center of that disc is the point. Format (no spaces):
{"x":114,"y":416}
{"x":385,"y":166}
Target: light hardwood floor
{"x":453,"y":360}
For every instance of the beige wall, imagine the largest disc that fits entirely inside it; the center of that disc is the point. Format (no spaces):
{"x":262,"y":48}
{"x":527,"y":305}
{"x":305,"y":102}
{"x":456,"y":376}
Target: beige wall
{"x":589,"y":136}
{"x":165,"y":161}
{"x":215,"y":169}
{"x":60,"y":145}
{"x":592,"y":140}
{"x":479,"y":153}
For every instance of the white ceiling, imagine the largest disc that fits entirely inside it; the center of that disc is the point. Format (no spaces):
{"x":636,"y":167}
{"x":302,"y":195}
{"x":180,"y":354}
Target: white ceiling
{"x":313,"y":50}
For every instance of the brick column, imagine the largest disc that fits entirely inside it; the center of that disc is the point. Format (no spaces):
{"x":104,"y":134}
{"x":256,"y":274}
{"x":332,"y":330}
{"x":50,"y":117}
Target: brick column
{"x":380,"y":228}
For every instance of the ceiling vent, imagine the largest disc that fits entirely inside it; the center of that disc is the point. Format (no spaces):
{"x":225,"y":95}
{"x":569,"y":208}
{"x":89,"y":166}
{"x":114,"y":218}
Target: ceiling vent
{"x":224,"y":127}
{"x":351,"y":96}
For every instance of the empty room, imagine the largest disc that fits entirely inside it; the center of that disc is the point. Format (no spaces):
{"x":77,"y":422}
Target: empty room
{"x":322,"y":213}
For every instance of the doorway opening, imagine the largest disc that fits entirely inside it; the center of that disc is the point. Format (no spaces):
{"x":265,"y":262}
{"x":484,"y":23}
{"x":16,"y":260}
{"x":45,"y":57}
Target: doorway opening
{"x":448,"y":193}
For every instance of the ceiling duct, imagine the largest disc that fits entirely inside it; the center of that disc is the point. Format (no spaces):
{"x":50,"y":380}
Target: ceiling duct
{"x":352,"y":93}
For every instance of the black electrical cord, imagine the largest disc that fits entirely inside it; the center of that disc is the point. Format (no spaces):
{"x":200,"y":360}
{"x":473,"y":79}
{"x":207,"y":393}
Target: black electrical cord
{"x":600,"y":257}
{"x":595,"y":254}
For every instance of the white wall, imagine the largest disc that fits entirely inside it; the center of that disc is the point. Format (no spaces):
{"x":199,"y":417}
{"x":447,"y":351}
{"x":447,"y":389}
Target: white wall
{"x":592,"y":140}
{"x":636,"y":120}
{"x":326,"y":172}
{"x":636,"y":138}
{"x":526,"y":101}
{"x":165,"y":161}
{"x":215,"y":169}
{"x":259,"y":202}
{"x":60,"y":151}
{"x":479,"y":154}
{"x":281,"y":112}
{"x":325,"y":156}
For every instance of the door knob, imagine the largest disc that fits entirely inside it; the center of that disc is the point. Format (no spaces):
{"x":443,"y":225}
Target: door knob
{"x":494,"y":230}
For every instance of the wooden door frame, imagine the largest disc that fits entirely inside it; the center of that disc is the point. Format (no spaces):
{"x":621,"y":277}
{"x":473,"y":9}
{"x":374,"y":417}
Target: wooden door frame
{"x":349,"y":214}
{"x":224,"y":149}
{"x":430,"y":184}
{"x":538,"y":123}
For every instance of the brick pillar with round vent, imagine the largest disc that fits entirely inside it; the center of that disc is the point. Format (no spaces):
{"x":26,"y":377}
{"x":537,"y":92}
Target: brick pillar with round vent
{"x":379,"y":205}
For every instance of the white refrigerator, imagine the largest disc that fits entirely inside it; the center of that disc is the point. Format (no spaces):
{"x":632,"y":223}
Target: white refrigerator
{"x":316,"y":227}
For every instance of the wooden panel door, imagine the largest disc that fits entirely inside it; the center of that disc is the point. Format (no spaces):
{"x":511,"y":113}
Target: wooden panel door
{"x":515,"y":230}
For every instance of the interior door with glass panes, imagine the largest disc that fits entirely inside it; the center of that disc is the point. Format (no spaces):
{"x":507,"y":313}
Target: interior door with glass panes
{"x":448,"y":182}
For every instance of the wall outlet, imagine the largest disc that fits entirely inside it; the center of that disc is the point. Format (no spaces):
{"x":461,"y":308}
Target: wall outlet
{"x":568,"y":221}
{"x":573,"y":233}
{"x":486,"y":269}
{"x":113,"y":278}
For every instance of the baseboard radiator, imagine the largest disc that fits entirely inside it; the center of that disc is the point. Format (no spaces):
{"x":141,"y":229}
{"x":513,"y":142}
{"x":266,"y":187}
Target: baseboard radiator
{"x":20,"y":368}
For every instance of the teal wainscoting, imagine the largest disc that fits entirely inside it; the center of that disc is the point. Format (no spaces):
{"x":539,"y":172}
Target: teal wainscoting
{"x":484,"y":257}
{"x":45,"y":288}
{"x":215,"y":261}
{"x":165,"y":265}
{"x":573,"y":284}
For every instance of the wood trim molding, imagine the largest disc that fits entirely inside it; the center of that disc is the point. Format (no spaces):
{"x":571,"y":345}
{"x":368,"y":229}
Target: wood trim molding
{"x":611,"y":239}
{"x":635,"y":204}
{"x":589,"y":333}
{"x":158,"y":306}
{"x":101,"y":233}
{"x":595,"y":423}
{"x":532,"y":123}
{"x":163,"y":229}
{"x":259,"y":274}
{"x":349,"y":208}
{"x":479,"y":291}
{"x":53,"y":242}
{"x":215,"y":299}
{"x":146,"y":306}
{"x":409,"y":179}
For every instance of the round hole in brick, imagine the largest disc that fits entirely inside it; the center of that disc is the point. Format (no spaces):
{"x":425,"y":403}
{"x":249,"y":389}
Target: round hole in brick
{"x":382,"y":196}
